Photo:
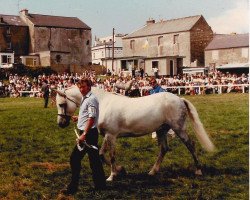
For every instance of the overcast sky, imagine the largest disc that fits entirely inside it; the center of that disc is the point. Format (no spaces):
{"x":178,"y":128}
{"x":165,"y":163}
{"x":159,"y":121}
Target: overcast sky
{"x":126,"y":16}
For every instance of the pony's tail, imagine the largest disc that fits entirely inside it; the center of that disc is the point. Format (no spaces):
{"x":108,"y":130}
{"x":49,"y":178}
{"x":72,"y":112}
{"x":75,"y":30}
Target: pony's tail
{"x":198,"y":127}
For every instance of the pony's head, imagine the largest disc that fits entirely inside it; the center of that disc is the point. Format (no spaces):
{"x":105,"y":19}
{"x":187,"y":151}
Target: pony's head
{"x":67,"y":101}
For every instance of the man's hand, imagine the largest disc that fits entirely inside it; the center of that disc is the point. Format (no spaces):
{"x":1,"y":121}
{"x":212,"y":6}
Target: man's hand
{"x":81,"y":139}
{"x":74,"y":118}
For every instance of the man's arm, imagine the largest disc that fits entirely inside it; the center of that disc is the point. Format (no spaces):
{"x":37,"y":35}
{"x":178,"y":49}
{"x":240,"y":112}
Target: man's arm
{"x":88,"y":126}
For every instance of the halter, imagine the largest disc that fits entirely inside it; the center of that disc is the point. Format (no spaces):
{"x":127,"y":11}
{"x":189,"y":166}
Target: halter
{"x":64,"y":105}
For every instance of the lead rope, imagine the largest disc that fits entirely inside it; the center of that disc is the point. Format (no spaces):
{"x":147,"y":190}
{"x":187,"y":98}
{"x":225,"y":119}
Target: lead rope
{"x":80,"y":148}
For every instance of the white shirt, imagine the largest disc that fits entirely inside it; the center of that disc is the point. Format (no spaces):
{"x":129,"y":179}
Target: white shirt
{"x":89,"y":109}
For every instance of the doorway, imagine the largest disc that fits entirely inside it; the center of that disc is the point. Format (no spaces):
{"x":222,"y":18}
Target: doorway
{"x":171,"y":67}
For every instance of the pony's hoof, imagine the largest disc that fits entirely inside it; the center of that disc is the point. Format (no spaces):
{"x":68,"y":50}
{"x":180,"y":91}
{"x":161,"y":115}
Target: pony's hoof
{"x":121,"y":170}
{"x":109,"y":179}
{"x":198,"y":172}
{"x":151,"y":173}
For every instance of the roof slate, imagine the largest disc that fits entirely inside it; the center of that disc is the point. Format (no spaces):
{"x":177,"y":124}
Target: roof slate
{"x":57,"y":21}
{"x":12,"y":20}
{"x":224,"y":41}
{"x":168,"y":26}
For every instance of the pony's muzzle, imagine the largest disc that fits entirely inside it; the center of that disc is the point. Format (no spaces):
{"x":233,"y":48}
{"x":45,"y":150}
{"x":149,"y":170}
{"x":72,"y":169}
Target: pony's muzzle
{"x":63,"y":121}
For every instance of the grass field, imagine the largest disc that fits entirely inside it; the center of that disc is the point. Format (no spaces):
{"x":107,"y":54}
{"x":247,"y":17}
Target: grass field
{"x":34,"y":156}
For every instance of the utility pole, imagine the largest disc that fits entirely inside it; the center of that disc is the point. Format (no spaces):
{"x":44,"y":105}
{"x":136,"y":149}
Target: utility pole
{"x":113,"y":43}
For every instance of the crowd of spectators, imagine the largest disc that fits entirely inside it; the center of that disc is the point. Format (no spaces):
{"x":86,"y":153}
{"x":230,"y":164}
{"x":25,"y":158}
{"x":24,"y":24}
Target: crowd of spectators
{"x":16,"y":85}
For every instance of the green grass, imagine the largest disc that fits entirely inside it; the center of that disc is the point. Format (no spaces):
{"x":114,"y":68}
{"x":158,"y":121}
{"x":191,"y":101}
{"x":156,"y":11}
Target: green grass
{"x":34,"y":156}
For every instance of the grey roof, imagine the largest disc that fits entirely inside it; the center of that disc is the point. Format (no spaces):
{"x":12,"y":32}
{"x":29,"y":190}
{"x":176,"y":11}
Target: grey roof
{"x":12,"y":20}
{"x":168,"y":26}
{"x":222,"y":41}
{"x":57,"y":21}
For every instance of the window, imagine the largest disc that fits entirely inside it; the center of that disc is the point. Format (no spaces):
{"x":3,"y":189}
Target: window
{"x":87,"y":43}
{"x":31,"y":62}
{"x":155,"y":64}
{"x":160,"y":40}
{"x":176,"y":37}
{"x":132,"y":44}
{"x":6,"y":59}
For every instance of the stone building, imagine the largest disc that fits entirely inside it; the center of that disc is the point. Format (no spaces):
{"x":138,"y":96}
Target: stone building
{"x":14,"y":40}
{"x":228,"y":51}
{"x":167,"y":45}
{"x":64,"y":43}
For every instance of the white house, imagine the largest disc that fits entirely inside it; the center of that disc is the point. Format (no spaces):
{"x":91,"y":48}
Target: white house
{"x":102,"y":48}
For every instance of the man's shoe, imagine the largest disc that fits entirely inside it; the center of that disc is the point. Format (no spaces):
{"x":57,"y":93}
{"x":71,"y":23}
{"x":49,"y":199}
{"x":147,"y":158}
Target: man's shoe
{"x":99,"y":188}
{"x":70,"y":190}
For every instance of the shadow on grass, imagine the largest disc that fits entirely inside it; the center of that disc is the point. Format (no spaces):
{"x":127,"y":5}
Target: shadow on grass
{"x":213,"y":171}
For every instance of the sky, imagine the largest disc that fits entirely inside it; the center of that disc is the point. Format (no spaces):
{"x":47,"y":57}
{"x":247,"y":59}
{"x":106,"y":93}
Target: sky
{"x":126,"y":16}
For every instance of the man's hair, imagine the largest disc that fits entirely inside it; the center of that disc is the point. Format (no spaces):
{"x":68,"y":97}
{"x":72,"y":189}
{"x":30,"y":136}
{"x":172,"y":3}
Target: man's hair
{"x":85,"y":80}
{"x":153,"y":80}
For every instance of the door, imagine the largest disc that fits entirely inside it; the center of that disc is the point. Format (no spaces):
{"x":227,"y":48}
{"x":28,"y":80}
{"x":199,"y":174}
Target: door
{"x":171,"y":67}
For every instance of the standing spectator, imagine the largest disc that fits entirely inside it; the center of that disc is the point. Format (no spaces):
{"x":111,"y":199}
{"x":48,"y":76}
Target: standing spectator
{"x":155,"y":70}
{"x":133,"y":72}
{"x":142,"y":72}
{"x":45,"y":90}
{"x":87,"y":125}
{"x":156,"y":88}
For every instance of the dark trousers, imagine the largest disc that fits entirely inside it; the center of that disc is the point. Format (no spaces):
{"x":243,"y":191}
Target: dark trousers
{"x":46,"y":101}
{"x":94,"y":161}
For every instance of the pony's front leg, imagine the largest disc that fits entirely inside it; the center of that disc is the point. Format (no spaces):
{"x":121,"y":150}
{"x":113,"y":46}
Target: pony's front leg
{"x":162,"y":141}
{"x":163,"y":151}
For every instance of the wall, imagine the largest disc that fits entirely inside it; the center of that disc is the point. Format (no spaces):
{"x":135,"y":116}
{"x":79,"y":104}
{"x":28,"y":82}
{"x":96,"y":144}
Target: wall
{"x":148,"y":46}
{"x":18,"y":37}
{"x":76,"y":42}
{"x":108,"y":65}
{"x":103,"y":51}
{"x":200,"y":36}
{"x":225,"y":56}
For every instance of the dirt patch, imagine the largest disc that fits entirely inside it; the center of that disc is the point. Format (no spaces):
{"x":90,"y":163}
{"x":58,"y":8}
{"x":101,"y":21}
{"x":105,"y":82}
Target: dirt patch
{"x":49,"y":166}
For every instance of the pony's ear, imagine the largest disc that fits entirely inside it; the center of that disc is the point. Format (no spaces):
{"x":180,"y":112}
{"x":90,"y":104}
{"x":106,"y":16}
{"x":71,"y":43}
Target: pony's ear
{"x":60,"y":93}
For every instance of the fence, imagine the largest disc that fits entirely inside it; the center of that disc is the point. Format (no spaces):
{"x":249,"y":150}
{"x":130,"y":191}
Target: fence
{"x":27,"y":92}
{"x":215,"y":89}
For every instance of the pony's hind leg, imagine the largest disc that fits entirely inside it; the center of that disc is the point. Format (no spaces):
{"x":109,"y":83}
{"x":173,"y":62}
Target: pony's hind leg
{"x":162,"y":141}
{"x":191,"y":147}
{"x":103,"y":150}
{"x":115,"y":169}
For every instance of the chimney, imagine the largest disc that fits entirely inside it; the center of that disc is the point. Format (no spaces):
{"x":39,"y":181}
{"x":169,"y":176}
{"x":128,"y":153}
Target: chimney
{"x":24,"y":12}
{"x":150,"y":21}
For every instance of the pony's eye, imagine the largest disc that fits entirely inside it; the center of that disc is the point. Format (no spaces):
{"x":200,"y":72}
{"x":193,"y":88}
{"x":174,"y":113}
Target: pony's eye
{"x":61,"y":105}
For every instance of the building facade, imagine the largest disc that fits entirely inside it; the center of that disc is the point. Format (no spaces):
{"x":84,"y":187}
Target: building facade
{"x":63,"y":43}
{"x":228,"y":51}
{"x":169,"y":45}
{"x":14,"y":39}
{"x":103,"y":48}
